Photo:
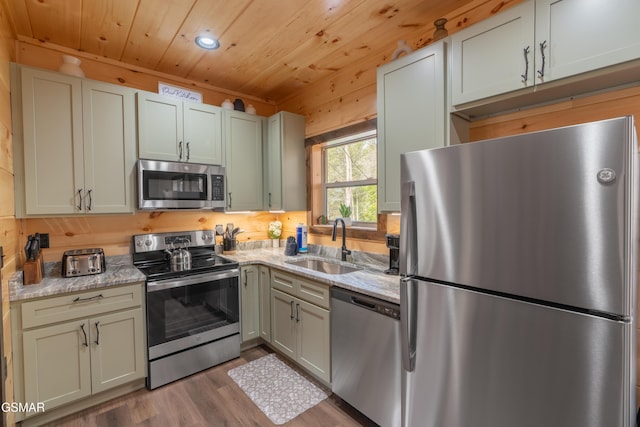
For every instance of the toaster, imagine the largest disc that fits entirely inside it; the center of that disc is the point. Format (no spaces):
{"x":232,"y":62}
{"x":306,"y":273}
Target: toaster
{"x":83,"y":262}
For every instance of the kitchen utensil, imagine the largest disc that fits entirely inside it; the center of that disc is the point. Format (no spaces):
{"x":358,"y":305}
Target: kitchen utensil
{"x":27,"y":248}
{"x":35,"y":246}
{"x":229,"y":229}
{"x":219,"y":230}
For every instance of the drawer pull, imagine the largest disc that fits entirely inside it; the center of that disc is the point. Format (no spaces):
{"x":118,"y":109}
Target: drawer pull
{"x":85,"y":343}
{"x":291,"y":315}
{"x":78,"y":299}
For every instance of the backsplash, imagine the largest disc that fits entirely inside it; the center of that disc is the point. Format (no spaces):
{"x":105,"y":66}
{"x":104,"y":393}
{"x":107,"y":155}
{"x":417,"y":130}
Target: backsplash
{"x":113,"y":232}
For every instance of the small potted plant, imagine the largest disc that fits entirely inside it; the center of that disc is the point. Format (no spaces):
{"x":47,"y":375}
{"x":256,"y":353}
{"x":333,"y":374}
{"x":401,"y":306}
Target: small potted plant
{"x":275,"y":231}
{"x":345,"y":211}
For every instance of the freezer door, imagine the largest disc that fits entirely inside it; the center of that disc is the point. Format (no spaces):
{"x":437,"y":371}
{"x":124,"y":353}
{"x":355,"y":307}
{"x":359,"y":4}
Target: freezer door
{"x":488,"y":361}
{"x":547,"y":215}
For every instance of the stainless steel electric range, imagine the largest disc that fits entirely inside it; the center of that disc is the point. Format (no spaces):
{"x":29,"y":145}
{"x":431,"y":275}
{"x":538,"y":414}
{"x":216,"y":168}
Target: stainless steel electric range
{"x":193,"y":304}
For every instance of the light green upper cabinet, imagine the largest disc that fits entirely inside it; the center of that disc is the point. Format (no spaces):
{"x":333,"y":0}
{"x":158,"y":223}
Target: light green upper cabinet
{"x":243,"y":160}
{"x":75,"y":144}
{"x":285,"y":163}
{"x":585,"y":35}
{"x":175,"y":130}
{"x":411,"y":115}
{"x":540,"y":41}
{"x":109,"y":147}
{"x":489,"y":58}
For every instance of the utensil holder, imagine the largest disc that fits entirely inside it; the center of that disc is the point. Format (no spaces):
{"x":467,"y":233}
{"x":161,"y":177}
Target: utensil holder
{"x":33,"y":271}
{"x":229,"y":246}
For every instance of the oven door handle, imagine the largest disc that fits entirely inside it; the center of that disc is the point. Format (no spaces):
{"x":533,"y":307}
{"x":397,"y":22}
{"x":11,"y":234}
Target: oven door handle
{"x":160,"y":285}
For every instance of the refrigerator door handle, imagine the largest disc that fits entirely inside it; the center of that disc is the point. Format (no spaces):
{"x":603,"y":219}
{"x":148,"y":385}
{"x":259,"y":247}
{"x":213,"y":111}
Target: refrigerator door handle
{"x":408,"y":230}
{"x":408,"y":320}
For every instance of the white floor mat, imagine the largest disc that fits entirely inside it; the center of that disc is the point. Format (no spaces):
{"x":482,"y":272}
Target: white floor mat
{"x":279,"y":391}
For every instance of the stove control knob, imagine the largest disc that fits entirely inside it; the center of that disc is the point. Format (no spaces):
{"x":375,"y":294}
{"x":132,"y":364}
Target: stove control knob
{"x":148,"y":242}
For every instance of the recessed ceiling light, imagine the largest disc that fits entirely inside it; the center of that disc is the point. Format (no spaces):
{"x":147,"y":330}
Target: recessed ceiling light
{"x":207,"y":42}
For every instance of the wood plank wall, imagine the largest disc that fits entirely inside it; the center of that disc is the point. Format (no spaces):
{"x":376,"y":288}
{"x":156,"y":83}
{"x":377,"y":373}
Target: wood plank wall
{"x":9,"y":226}
{"x":348,"y":95}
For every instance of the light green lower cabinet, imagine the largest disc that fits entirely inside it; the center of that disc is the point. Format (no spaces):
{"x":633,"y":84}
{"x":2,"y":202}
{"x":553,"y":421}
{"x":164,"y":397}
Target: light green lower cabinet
{"x":283,"y":325}
{"x":301,"y":331}
{"x":79,"y":347}
{"x":291,"y":314}
{"x":73,"y":360}
{"x":117,"y":349}
{"x":265,"y":303}
{"x":250,"y":295}
{"x":57,"y":364}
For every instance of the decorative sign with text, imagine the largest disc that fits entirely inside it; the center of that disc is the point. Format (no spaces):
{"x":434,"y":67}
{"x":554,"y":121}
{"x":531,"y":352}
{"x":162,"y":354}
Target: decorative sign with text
{"x":179,"y":92}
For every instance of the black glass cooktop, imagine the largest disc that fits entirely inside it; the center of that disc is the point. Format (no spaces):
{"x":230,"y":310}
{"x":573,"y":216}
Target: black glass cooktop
{"x":157,"y":265}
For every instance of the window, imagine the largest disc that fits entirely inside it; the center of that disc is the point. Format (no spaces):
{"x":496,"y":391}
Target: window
{"x":349,"y":178}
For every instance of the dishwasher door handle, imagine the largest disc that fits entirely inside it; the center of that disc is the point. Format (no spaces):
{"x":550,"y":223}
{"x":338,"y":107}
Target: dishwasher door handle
{"x":363,"y":303}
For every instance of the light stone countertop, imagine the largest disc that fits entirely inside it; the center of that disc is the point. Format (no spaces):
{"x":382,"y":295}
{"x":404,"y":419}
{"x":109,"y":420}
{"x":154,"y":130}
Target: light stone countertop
{"x":370,"y":279}
{"x":119,"y":271}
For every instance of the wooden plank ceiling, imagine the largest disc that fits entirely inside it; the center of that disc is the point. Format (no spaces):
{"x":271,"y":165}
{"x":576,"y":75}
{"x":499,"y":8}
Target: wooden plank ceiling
{"x":269,"y":48}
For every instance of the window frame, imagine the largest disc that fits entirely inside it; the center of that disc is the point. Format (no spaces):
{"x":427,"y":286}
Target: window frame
{"x":341,"y":141}
{"x":314,"y":180}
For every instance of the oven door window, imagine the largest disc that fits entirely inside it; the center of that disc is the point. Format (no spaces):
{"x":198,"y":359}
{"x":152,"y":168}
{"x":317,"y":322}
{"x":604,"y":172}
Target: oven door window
{"x":193,"y":309}
{"x":174,"y":186}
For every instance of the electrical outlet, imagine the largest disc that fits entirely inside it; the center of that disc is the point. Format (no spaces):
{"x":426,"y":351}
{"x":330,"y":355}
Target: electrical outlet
{"x":44,"y":240}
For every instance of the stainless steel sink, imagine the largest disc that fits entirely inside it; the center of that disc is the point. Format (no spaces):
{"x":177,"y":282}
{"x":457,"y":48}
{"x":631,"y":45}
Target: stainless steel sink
{"x":324,"y":266}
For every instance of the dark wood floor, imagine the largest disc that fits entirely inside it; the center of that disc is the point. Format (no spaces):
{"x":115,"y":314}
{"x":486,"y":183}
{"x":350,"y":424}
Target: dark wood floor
{"x":209,"y":398}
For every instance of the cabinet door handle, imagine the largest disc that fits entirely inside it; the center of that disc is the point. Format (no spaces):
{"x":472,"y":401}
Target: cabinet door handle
{"x":90,"y":200}
{"x":85,"y":343}
{"x":543,"y":45}
{"x":525,"y":76}
{"x":180,"y":150}
{"x":229,"y":202}
{"x":97,"y":333}
{"x":291,"y":315}
{"x":245,"y":278}
{"x":79,"y":199}
{"x":188,"y":152}
{"x":297,"y":313}
{"x":269,"y":199}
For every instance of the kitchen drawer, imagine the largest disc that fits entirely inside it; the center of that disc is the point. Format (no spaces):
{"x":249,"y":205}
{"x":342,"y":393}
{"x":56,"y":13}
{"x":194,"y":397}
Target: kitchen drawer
{"x":307,"y":290}
{"x":284,"y":282}
{"x":314,"y":293}
{"x":80,"y":304}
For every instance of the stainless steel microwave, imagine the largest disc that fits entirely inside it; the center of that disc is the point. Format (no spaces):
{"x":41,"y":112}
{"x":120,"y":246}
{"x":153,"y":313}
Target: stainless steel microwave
{"x":176,"y":185}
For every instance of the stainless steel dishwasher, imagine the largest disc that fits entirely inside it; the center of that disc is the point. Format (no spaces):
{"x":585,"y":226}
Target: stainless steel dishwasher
{"x":365,"y":355}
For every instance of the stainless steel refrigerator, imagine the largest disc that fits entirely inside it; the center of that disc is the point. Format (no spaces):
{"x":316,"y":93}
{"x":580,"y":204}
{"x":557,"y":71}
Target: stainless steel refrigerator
{"x":518,"y":295}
